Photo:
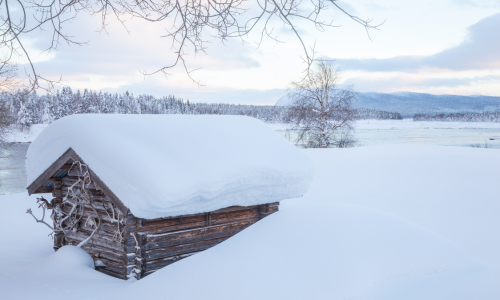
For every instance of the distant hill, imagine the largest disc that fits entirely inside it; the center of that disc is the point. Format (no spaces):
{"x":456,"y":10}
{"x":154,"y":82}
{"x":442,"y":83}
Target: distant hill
{"x":409,"y":104}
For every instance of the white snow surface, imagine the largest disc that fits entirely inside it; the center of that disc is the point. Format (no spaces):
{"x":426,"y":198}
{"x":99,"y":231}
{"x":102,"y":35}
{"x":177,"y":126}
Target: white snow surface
{"x":16,"y":135}
{"x":385,"y":222}
{"x":169,"y":165}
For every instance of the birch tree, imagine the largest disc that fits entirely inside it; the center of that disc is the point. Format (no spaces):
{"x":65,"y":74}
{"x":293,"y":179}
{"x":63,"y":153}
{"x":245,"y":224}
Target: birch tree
{"x":321,"y":111}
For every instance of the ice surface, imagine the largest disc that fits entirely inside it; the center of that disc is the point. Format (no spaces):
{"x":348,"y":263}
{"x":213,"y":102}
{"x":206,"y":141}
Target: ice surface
{"x":169,"y":165}
{"x":410,"y":124}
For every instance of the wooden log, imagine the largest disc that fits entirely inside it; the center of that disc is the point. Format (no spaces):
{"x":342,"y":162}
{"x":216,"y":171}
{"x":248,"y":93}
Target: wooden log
{"x":98,"y":252}
{"x":200,"y":221}
{"x":75,"y":171}
{"x":271,"y":210}
{"x":160,"y":263}
{"x":118,"y":268}
{"x":50,"y":171}
{"x":159,"y":253}
{"x":100,"y":240}
{"x":111,"y":273}
{"x":90,"y":212}
{"x":195,"y":235}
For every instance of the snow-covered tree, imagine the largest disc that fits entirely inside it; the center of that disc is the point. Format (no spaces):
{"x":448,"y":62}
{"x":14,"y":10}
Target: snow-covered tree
{"x":24,"y":118}
{"x":47,"y":116}
{"x":321,"y":112}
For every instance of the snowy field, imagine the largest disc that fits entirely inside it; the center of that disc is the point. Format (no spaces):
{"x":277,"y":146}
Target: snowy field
{"x":379,"y":222}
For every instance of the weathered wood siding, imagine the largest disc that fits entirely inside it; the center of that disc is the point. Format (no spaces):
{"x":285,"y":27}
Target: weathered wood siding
{"x":165,"y":241}
{"x":104,"y":246}
{"x":149,"y":245}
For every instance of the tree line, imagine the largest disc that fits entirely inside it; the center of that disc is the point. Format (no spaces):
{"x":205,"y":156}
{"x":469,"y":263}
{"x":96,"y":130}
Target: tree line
{"x":26,"y":109}
{"x":460,"y":117}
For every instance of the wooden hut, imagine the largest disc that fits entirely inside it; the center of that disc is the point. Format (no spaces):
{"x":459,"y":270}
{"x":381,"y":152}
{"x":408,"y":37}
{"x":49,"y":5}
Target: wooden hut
{"x":133,"y":226}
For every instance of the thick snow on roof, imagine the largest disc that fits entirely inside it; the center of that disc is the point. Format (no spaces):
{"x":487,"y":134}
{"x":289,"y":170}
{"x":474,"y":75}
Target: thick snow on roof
{"x":168,"y":165}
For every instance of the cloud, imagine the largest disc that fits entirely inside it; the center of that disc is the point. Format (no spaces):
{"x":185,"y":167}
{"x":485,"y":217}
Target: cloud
{"x":121,"y":54}
{"x":418,"y":83}
{"x":478,"y":3}
{"x":479,"y":51}
{"x":205,"y":94}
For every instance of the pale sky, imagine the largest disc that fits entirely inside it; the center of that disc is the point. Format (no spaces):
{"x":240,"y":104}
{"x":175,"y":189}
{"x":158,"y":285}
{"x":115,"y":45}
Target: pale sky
{"x":437,"y":47}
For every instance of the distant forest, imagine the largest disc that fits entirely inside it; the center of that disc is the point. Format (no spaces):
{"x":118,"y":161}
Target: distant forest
{"x":27,"y":109}
{"x":460,"y":117}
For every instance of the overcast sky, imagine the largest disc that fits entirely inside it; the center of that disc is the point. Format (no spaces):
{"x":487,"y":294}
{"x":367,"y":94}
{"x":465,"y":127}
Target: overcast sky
{"x":438,"y":47}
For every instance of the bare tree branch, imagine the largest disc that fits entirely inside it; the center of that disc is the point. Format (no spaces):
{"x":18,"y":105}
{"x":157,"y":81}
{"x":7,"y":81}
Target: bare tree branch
{"x":191,"y":22}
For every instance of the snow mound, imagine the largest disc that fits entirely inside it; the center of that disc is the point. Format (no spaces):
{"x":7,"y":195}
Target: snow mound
{"x":319,"y":251}
{"x":168,"y":165}
{"x":66,"y":274}
{"x":68,"y":257}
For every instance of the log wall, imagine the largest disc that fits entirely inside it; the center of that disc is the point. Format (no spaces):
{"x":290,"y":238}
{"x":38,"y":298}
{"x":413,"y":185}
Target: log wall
{"x":105,"y":245}
{"x":165,"y":241}
{"x":149,"y":245}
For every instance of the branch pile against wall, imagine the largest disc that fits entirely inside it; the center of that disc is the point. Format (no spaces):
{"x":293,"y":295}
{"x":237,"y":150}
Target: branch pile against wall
{"x":84,"y":217}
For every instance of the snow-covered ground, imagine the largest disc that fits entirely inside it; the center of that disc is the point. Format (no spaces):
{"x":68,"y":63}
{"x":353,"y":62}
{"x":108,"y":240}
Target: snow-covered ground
{"x":18,"y":136}
{"x":379,"y":222}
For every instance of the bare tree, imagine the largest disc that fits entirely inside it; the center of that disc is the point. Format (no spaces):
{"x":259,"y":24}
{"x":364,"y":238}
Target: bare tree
{"x":189,"y":23}
{"x":321,"y":112}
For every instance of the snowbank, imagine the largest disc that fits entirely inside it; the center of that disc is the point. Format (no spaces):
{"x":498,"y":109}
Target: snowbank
{"x":336,"y":251}
{"x":383,"y":222}
{"x":169,"y":165}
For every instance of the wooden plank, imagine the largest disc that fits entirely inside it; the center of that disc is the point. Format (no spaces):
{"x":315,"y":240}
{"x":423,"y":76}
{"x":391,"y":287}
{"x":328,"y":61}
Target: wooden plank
{"x":98,"y":252}
{"x":88,"y":212}
{"x":200,"y":221}
{"x":118,"y":268}
{"x":195,"y":235}
{"x":62,"y":160}
{"x":100,"y":184}
{"x":111,"y":273}
{"x":99,"y":240}
{"x":66,"y":167}
{"x":160,"y":263}
{"x":43,"y":191}
{"x":159,"y":253}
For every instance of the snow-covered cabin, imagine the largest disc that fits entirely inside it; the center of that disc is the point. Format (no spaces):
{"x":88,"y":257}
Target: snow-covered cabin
{"x":154,"y":189}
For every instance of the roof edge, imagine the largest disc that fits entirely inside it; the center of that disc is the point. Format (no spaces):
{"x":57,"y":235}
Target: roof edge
{"x":70,"y":154}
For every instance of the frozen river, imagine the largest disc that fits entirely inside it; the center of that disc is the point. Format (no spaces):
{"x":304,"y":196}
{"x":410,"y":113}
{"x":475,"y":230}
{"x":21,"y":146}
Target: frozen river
{"x":13,"y":172}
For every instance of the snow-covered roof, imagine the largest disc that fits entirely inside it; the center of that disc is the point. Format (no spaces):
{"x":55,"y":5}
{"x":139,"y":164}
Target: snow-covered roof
{"x":169,"y":165}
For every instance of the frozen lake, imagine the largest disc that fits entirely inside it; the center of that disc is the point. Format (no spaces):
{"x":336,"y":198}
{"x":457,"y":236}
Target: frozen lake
{"x":13,"y":172}
{"x":439,"y":137}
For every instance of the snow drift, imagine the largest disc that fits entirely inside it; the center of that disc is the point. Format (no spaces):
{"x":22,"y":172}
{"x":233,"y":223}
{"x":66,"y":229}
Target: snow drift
{"x":381,"y":223}
{"x":168,"y":165}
